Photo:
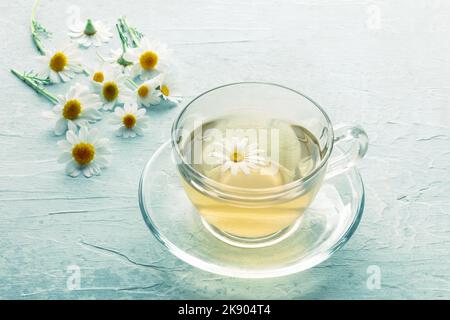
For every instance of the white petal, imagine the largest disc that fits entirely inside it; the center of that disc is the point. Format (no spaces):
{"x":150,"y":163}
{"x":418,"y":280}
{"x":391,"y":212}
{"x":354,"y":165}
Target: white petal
{"x":139,"y":131}
{"x":119,"y":131}
{"x":218,"y":155}
{"x":115,"y":119}
{"x":92,"y":135}
{"x":101,"y":161}
{"x":72,"y":169}
{"x":101,"y":143}
{"x":131,"y":55}
{"x":60,"y":126}
{"x":64,"y":157}
{"x":54,"y":77}
{"x":127,"y":108}
{"x":141,"y":112}
{"x":50,"y":114}
{"x":87,"y":171}
{"x":135,"y":70}
{"x":72,"y":137}
{"x":95,"y":169}
{"x":234,"y":168}
{"x":119,"y":112}
{"x":242,"y":165}
{"x":76,"y":26}
{"x":65,"y":76}
{"x":72,"y":126}
{"x":64,"y":145}
{"x":83,"y":134}
{"x":72,"y":92}
{"x":226,"y":166}
{"x":92,"y":114}
{"x":109,"y":105}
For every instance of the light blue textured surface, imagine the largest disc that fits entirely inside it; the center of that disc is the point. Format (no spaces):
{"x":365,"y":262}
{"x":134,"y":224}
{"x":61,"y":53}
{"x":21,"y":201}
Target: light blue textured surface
{"x":391,"y":77}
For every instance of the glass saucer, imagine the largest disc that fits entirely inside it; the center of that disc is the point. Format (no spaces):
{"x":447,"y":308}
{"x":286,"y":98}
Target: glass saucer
{"x":324,"y":228}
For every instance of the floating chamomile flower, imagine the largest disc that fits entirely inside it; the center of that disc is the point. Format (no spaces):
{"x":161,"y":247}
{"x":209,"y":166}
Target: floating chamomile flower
{"x":147,"y":93}
{"x":131,"y":121}
{"x":60,"y":65}
{"x":84,"y":152}
{"x":90,"y":33}
{"x":79,"y":107}
{"x":168,"y":88}
{"x":236,"y":154}
{"x":111,"y":85}
{"x":148,"y":57}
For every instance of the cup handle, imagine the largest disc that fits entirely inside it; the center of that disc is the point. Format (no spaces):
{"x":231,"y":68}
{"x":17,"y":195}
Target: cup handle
{"x":353,"y":142}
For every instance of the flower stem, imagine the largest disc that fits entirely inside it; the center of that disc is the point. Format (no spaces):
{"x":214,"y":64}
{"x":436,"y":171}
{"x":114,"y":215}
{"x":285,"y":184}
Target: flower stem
{"x":124,"y":42}
{"x":33,"y":85}
{"x":99,"y":56}
{"x":37,"y":29}
{"x":130,"y":81}
{"x":134,"y":34}
{"x":123,"y":38}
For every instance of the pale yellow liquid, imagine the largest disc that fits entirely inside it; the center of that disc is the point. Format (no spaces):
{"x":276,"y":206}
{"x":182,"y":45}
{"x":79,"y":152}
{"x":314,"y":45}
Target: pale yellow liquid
{"x":299,"y":154}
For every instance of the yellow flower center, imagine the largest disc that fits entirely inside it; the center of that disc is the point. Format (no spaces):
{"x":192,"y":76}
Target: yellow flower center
{"x":98,"y":77}
{"x":143,"y":91}
{"x":148,"y":60}
{"x":58,"y":62}
{"x":129,"y":120}
{"x":236,"y":156}
{"x":165,"y":90}
{"x":110,"y":91}
{"x":72,"y":109}
{"x":83,"y":153}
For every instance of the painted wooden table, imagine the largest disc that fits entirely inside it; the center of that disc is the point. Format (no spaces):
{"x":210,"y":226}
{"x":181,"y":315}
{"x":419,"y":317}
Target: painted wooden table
{"x":382,"y":64}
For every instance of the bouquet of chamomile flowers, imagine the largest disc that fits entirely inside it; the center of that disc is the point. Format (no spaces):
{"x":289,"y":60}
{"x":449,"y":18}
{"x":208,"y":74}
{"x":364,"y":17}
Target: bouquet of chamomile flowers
{"x":133,"y":78}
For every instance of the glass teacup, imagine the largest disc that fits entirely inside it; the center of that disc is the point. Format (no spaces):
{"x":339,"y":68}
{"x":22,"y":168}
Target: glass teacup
{"x":252,"y":156}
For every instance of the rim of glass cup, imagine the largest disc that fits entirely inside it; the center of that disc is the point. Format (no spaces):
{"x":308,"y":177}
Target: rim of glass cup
{"x":271,"y":190}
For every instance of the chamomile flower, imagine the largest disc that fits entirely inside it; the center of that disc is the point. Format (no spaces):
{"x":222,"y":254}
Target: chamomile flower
{"x":147,"y":93}
{"x":237,"y":154}
{"x":100,"y":72}
{"x":168,"y":88}
{"x":149,"y":57}
{"x":111,"y":85}
{"x":89,"y":33}
{"x":60,"y":65}
{"x":131,"y":121}
{"x":78,"y":107}
{"x":84,"y":152}
{"x":117,"y":60}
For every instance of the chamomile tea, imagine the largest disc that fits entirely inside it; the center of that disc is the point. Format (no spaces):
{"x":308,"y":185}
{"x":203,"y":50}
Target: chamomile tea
{"x":251,"y":155}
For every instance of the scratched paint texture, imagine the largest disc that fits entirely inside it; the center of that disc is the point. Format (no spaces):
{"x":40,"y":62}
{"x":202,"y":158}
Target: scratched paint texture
{"x":382,"y":64}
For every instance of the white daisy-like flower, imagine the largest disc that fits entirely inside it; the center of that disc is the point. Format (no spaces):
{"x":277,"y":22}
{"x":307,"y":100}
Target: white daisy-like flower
{"x":147,"y":94}
{"x":100,"y":72}
{"x":111,"y":85}
{"x":151,"y":56}
{"x":131,"y":121}
{"x":168,"y":88}
{"x":117,"y":60}
{"x":84,"y":152}
{"x":89,"y":33}
{"x":79,"y":107}
{"x":60,"y":65}
{"x":237,"y":154}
